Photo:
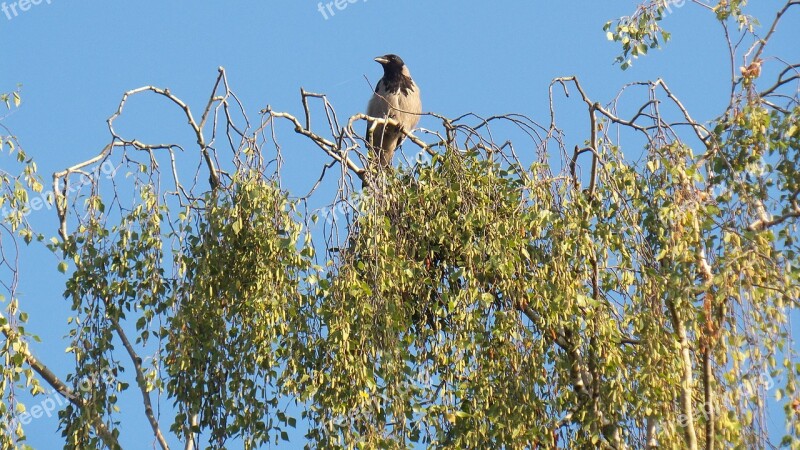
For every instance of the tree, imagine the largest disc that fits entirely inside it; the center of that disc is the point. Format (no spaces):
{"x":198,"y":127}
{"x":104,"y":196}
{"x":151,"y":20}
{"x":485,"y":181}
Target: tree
{"x":475,"y":299}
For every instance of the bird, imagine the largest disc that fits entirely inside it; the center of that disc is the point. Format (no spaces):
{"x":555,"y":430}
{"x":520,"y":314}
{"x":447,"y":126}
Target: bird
{"x":397,"y":97}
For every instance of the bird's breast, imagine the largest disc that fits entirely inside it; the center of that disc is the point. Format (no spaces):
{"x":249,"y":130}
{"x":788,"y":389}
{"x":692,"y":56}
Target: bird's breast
{"x":402,"y":103}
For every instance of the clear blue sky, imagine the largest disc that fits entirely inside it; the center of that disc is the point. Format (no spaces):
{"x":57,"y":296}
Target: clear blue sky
{"x":75,"y":59}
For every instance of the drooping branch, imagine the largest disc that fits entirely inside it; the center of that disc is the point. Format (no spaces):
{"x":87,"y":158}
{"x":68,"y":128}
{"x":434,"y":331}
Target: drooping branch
{"x":687,"y":378}
{"x":106,"y":435}
{"x":140,"y":380}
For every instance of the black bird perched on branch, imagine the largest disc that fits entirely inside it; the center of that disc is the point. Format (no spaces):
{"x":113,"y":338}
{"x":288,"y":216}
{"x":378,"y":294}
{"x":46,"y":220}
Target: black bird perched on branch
{"x":396,"y":97}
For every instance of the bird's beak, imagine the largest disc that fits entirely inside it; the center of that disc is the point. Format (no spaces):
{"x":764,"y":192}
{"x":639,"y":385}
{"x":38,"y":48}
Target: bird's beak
{"x":381,"y":60}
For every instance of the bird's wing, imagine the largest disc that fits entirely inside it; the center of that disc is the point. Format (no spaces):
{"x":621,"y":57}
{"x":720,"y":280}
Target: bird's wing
{"x":410,"y":108}
{"x":378,"y":105}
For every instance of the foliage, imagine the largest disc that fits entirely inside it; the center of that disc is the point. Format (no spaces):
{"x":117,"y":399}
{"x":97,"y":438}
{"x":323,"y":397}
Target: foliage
{"x":238,"y":302}
{"x":15,"y":191}
{"x":642,"y":30}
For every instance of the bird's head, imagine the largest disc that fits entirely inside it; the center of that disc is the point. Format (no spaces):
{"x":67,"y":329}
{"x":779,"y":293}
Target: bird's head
{"x":392,"y":64}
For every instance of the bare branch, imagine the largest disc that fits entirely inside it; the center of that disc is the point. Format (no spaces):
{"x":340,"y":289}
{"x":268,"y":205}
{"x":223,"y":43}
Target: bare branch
{"x":763,"y":42}
{"x":764,"y":222}
{"x":329,"y":147}
{"x":782,"y":81}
